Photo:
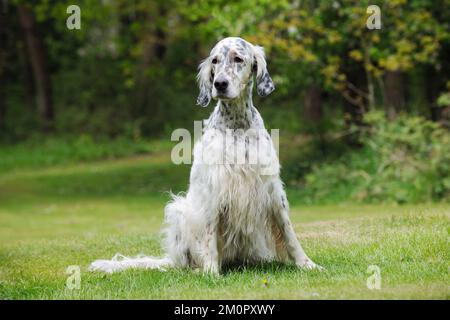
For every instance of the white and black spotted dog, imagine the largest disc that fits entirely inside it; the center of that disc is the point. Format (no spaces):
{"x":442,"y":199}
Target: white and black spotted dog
{"x":235,"y":211}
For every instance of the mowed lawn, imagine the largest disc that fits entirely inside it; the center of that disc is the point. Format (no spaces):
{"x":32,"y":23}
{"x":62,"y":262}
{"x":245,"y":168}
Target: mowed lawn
{"x":64,"y":215}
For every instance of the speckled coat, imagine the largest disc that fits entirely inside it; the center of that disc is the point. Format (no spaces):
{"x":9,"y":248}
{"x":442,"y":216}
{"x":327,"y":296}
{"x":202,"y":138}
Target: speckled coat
{"x":235,"y":210}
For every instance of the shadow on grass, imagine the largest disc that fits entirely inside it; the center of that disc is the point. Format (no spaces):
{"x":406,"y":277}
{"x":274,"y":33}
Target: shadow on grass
{"x":262,"y":267}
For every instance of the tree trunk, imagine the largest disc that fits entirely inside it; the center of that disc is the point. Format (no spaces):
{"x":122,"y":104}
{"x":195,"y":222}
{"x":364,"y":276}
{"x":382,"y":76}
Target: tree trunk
{"x":355,"y":103}
{"x":313,"y":113}
{"x":154,"y":50}
{"x":38,"y":60}
{"x":394,"y":93}
{"x":313,"y":104}
{"x":369,"y":78}
{"x":434,"y":87}
{"x":28,"y":80}
{"x":3,"y":50}
{"x":356,"y":99}
{"x":2,"y":108}
{"x":160,"y":35}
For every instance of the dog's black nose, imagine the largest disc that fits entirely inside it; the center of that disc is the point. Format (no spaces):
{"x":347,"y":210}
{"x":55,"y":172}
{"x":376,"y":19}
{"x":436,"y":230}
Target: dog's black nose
{"x":221,"y":85}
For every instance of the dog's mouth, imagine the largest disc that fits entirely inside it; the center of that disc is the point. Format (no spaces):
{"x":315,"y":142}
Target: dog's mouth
{"x":224,"y":96}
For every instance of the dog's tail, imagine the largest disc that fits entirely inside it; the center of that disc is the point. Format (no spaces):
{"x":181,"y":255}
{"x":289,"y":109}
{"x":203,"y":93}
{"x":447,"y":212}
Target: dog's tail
{"x":120,"y":262}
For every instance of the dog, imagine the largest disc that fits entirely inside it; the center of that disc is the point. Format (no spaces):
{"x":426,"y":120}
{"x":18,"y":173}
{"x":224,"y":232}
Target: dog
{"x":234,"y":212}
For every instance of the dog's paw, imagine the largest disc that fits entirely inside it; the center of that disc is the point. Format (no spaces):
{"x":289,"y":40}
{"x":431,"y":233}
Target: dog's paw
{"x":211,"y":269}
{"x":309,"y":265}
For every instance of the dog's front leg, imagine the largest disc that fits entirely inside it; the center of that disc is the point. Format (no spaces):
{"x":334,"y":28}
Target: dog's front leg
{"x":294,"y":249}
{"x":293,"y":246}
{"x":209,"y":249}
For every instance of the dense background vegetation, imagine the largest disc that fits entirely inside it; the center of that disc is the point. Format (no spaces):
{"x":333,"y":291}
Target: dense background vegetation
{"x":364,"y":114}
{"x":86,"y":117}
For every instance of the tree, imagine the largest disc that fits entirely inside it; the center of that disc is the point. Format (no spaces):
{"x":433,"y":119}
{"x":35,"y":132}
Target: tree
{"x":38,"y":60}
{"x":394,"y":93}
{"x":324,"y":39}
{"x":410,"y":37}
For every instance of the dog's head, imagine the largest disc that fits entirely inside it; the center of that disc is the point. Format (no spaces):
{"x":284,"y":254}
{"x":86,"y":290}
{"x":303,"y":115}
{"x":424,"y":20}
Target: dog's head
{"x":225,"y":74}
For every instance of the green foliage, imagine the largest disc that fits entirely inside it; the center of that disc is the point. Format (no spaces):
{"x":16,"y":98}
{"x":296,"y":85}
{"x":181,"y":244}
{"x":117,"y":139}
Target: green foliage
{"x":134,"y":63}
{"x":403,"y":161}
{"x":444,"y":100}
{"x":326,"y":40}
{"x":129,"y":75}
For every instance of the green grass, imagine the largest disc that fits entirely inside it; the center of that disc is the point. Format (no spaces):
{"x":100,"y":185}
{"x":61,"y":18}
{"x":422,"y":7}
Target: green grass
{"x":72,"y":213}
{"x":44,"y":151}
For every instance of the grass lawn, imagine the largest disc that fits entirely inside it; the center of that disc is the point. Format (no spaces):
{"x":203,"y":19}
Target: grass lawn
{"x":70,"y":214}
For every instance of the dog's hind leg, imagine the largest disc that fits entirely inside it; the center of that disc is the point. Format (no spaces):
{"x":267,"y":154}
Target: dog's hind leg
{"x":189,"y":240}
{"x":177,"y":234}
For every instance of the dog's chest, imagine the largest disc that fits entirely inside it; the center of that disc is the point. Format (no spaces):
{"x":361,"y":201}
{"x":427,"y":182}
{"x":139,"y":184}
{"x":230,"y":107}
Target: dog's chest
{"x":240,"y":152}
{"x":236,"y":169}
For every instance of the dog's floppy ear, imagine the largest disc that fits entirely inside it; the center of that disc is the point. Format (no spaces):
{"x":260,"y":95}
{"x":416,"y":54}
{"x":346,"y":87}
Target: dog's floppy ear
{"x":204,"y":79}
{"x":264,"y":83}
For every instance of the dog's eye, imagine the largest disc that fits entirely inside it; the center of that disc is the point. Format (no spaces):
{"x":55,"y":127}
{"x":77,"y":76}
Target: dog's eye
{"x":214,"y":61}
{"x":238,"y":60}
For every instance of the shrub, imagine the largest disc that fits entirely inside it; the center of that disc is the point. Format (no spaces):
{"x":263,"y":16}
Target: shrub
{"x":405,"y":160}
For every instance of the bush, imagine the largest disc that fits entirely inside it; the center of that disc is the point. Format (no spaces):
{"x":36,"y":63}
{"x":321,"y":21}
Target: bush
{"x":406,"y":160}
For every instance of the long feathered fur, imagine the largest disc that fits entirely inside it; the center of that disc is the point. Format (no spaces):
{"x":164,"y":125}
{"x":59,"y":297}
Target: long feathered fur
{"x":233,"y":211}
